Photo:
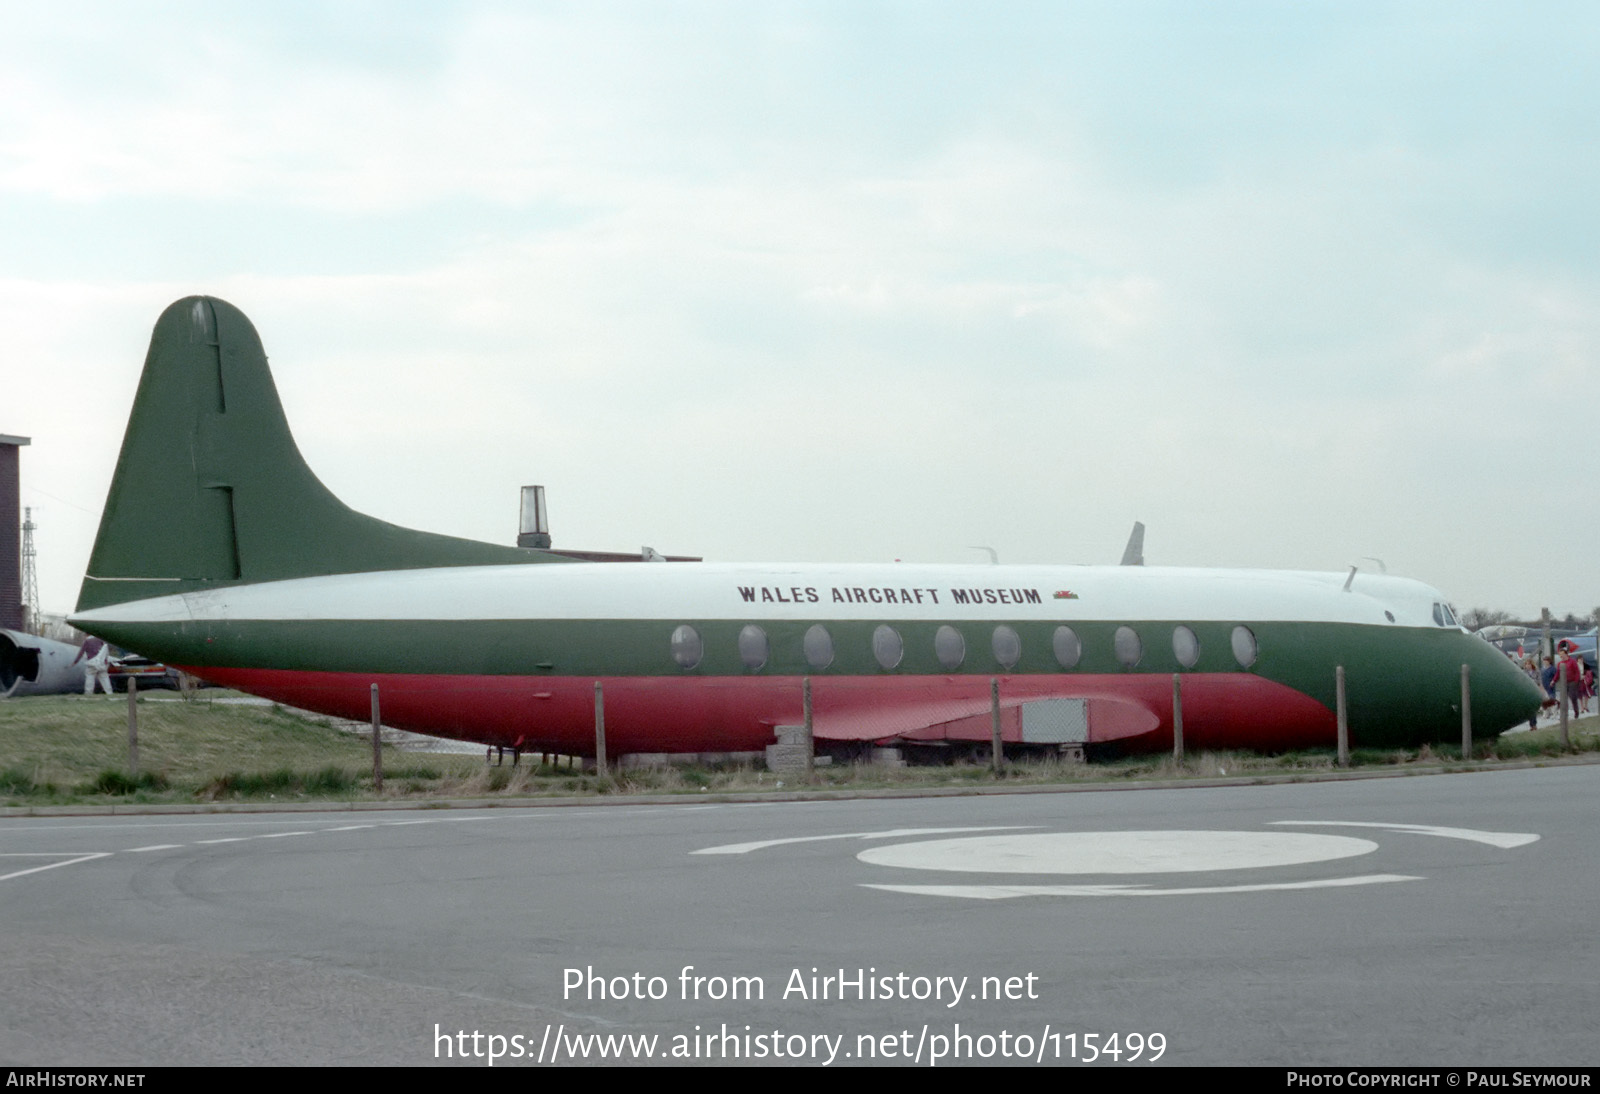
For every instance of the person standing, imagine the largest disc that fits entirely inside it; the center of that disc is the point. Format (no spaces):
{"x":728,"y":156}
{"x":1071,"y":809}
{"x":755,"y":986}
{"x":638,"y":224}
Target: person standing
{"x":94,"y":656}
{"x":1572,"y":675}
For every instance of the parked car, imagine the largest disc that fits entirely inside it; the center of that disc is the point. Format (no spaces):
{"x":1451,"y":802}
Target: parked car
{"x":150,"y":674}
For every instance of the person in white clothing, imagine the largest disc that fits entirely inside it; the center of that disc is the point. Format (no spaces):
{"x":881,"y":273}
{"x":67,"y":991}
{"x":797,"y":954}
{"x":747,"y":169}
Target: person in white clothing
{"x":94,"y":657}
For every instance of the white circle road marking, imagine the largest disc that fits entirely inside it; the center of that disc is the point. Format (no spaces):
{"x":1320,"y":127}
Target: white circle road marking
{"x":1005,"y":892}
{"x":761,"y":845}
{"x":1117,"y":852}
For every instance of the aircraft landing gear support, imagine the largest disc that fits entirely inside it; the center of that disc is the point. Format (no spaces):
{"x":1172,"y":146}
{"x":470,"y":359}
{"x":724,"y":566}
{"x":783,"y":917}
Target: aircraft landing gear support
{"x":499,"y":754}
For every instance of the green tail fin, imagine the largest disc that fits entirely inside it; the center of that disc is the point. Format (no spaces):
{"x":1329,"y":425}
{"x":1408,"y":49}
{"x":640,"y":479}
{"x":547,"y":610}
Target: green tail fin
{"x":211,"y":489}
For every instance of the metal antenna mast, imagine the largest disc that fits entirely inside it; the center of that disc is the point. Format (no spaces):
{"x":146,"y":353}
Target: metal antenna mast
{"x":30,"y":575}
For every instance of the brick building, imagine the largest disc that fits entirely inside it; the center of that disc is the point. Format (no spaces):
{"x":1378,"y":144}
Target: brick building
{"x":10,"y":532}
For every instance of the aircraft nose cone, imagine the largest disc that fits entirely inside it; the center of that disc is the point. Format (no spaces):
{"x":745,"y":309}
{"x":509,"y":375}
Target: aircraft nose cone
{"x":1503,"y":696}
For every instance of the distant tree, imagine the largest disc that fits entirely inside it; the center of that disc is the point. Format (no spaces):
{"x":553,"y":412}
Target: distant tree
{"x":1475,"y":619}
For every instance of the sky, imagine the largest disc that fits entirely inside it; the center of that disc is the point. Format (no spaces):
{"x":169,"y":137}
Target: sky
{"x":1298,"y":285}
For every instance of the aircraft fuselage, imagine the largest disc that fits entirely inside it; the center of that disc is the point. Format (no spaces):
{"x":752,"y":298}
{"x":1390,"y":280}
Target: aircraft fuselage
{"x":710,"y":657}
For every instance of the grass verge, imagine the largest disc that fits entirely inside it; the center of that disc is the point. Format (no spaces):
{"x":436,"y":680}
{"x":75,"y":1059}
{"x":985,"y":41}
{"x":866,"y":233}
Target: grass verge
{"x":73,"y":750}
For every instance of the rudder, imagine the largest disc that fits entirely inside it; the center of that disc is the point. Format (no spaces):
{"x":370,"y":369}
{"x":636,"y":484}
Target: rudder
{"x":211,"y":489}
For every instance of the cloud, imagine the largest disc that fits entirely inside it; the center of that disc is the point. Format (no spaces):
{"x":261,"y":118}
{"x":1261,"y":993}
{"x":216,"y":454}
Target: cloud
{"x":830,"y":284}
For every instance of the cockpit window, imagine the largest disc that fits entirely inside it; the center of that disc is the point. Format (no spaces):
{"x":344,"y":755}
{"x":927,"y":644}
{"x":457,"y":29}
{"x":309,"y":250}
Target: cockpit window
{"x":1438,"y":613}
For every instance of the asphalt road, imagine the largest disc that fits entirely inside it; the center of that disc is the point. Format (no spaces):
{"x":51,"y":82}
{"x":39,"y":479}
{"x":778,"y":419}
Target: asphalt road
{"x":1436,"y":920}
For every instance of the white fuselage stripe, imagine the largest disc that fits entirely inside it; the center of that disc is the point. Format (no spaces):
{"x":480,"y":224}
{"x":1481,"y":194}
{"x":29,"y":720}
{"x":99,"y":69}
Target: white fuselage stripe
{"x":703,"y":591}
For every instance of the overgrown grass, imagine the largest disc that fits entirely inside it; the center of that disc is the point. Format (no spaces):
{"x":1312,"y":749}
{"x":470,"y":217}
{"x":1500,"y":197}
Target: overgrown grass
{"x":331,"y":781}
{"x":113,"y":782}
{"x":70,"y":749}
{"x":16,"y":781}
{"x":58,"y":749}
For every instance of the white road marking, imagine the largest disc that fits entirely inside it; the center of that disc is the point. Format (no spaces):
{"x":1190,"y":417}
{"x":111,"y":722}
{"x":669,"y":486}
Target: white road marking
{"x":263,"y":822}
{"x":1164,"y":852}
{"x":1505,"y":840}
{"x":71,"y":858}
{"x":67,"y":860}
{"x":893,"y":833}
{"x":74,"y":857}
{"x":1006,"y":892}
{"x":186,"y":823}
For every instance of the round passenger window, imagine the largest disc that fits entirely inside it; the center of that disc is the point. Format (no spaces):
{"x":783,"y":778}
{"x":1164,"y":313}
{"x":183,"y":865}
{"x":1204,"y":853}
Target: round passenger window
{"x":818,"y":645}
{"x":687,"y":649}
{"x":1068,"y":649}
{"x":1129,"y":648}
{"x":753,"y":647}
{"x":1185,"y":646}
{"x":887,"y":646}
{"x":1007,"y":647}
{"x":1244,"y":646}
{"x":949,"y":647}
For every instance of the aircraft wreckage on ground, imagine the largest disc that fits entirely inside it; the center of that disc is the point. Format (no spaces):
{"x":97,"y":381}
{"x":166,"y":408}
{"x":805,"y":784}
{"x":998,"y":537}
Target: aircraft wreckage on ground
{"x":31,"y":665}
{"x":220,"y":552}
